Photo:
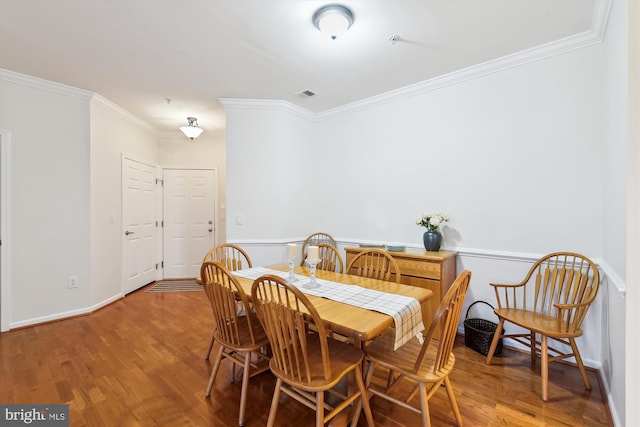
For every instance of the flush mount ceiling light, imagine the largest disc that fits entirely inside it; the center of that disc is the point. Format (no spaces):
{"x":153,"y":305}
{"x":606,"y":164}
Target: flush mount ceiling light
{"x":192,"y":130}
{"x":333,"y":20}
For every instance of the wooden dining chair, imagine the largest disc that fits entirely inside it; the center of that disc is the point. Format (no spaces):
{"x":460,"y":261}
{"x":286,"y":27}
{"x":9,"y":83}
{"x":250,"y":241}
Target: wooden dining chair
{"x":376,"y":264}
{"x":238,"y":337}
{"x":306,"y":362}
{"x":233,"y":258}
{"x":330,"y":259}
{"x":551,"y":301}
{"x":316,"y":239}
{"x":428,"y":364}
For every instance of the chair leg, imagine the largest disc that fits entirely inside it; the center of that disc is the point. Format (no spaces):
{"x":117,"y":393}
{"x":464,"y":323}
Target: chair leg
{"x":274,"y":403}
{"x":245,"y":387}
{"x":544,"y":366}
{"x":206,"y":356}
{"x":452,"y":400}
{"x":369,"y":375}
{"x":214,"y":371}
{"x":532,"y":340}
{"x":494,"y":342}
{"x":424,"y":405}
{"x":583,"y":371}
{"x":362,"y":402}
{"x":320,"y":409}
{"x":390,"y":378}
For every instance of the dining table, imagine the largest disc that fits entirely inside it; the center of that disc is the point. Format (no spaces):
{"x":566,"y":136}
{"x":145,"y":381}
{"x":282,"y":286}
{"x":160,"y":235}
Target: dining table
{"x":360,"y":324}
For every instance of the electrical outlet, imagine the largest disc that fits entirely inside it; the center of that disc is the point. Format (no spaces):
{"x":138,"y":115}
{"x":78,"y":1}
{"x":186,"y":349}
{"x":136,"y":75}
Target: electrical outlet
{"x":72,"y":282}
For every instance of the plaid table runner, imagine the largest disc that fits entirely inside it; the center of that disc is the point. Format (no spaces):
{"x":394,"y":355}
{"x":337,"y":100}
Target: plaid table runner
{"x":406,"y":311}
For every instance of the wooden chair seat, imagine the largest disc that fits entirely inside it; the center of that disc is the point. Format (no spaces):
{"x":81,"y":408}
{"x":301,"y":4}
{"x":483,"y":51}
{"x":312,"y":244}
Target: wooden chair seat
{"x":536,"y":322}
{"x":344,"y":358}
{"x":403,"y":359}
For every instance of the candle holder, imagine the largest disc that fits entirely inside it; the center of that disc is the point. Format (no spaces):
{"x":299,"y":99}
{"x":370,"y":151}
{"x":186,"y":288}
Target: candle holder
{"x":312,"y":283}
{"x":292,"y":276}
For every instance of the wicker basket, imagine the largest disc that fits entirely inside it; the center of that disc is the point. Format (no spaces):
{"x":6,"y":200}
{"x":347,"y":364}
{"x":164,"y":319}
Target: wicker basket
{"x":478,"y":333}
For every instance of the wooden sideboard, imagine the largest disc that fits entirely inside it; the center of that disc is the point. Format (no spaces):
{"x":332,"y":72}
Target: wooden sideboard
{"x":432,"y":270}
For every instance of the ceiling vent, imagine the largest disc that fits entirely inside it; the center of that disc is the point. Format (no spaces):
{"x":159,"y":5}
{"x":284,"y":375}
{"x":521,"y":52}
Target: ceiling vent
{"x":307,"y":94}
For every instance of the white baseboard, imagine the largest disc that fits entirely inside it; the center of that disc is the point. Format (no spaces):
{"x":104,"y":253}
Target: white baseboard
{"x":65,"y":314}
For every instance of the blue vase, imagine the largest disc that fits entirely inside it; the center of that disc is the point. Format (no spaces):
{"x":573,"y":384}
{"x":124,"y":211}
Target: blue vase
{"x":432,"y":240}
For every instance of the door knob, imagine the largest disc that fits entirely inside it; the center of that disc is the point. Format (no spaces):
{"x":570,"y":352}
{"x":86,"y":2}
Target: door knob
{"x":126,"y":233}
{"x":210,"y":230}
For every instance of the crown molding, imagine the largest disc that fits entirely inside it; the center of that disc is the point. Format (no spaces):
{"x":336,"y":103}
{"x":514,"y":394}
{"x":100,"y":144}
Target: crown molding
{"x":121,"y":112}
{"x":62,"y":89}
{"x":267,"y":104}
{"x":37,"y":83}
{"x":592,"y":37}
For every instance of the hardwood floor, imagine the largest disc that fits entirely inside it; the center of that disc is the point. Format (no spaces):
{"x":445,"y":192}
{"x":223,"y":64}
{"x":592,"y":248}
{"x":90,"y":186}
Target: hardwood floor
{"x":140,"y":362}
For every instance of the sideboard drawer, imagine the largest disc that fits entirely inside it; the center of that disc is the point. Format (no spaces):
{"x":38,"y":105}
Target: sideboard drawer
{"x":419,"y":268}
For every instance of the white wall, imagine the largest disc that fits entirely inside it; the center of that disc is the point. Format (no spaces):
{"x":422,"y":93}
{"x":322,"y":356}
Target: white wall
{"x":113,"y":132}
{"x":631,"y":390}
{"x":615,"y":178}
{"x":66,"y":205}
{"x":514,"y":157}
{"x":272,"y":179}
{"x":518,"y":158}
{"x":66,"y":147}
{"x":49,"y":204}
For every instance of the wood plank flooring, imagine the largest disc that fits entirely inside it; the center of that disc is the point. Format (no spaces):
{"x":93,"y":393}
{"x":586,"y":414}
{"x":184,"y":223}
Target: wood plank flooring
{"x":140,"y":362}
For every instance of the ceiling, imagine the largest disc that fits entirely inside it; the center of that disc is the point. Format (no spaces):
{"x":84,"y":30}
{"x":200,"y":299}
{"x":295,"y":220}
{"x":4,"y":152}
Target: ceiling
{"x":164,"y":60}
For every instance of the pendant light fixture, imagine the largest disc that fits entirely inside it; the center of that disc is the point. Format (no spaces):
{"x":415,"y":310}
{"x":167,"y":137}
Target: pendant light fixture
{"x":192,"y":131}
{"x":333,"y":20}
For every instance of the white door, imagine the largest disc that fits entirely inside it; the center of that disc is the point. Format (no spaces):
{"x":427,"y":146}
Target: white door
{"x":139,"y":224}
{"x":189,"y":220}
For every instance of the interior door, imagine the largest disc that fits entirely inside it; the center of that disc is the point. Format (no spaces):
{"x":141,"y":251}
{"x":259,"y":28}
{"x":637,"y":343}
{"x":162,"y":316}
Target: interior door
{"x":189,"y":220}
{"x":139,"y":224}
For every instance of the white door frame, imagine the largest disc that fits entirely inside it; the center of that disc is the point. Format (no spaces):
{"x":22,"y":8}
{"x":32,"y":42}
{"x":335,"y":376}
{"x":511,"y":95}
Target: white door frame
{"x":5,"y":221}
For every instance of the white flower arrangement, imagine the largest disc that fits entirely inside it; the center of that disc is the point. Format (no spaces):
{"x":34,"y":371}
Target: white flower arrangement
{"x":432,"y":221}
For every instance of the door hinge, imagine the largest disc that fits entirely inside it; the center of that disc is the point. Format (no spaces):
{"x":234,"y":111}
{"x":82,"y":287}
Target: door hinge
{"x":157,"y":266}
{"x":161,"y":264}
{"x":160,"y":181}
{"x":162,"y":223}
